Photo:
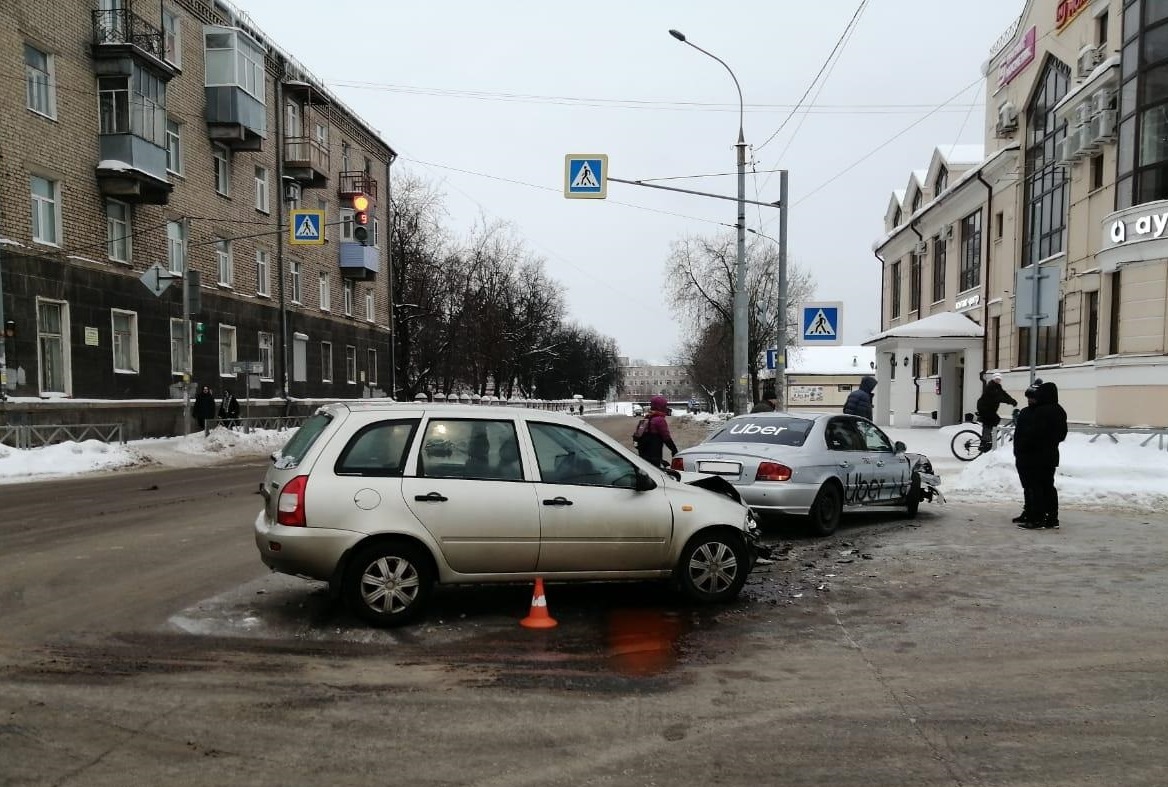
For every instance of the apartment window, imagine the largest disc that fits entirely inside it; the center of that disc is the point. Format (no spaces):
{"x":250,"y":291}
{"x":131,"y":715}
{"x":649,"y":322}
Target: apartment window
{"x":261,"y":189}
{"x":227,"y":354}
{"x":376,"y":231}
{"x":346,"y":224}
{"x":172,"y":36}
{"x":914,"y":283}
{"x":1092,"y":325}
{"x":175,"y":241}
{"x":178,"y":346}
{"x":347,"y":290}
{"x":224,"y":265}
{"x":267,"y":344}
{"x":369,"y":313}
{"x":942,"y":181}
{"x":125,"y":342}
{"x":263,"y":271}
{"x":174,"y":157}
{"x":999,"y":225}
{"x":326,"y":362}
{"x":294,"y":274}
{"x":1097,"y":172}
{"x":1046,"y":181}
{"x":293,"y":120}
{"x":46,"y":211}
{"x":346,"y":153}
{"x":326,"y":299}
{"x":38,"y":73}
{"x":940,"y":263}
{"x":896,"y":289}
{"x":1113,"y":319}
{"x":1048,"y":343}
{"x":320,"y":132}
{"x":350,"y":364}
{"x":368,"y":166}
{"x":233,"y":59}
{"x":222,"y":170}
{"x":371,"y":367}
{"x":53,"y":346}
{"x":918,"y":198}
{"x":970,"y":251}
{"x":1101,"y":29}
{"x":117,"y":230}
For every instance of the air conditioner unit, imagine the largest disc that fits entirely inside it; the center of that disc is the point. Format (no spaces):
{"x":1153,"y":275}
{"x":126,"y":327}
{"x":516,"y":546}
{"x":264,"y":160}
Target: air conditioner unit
{"x":922,"y":249}
{"x":1083,"y":113}
{"x":1088,"y":144}
{"x":1103,"y":126}
{"x":1007,"y":119}
{"x":1089,"y":57}
{"x":946,"y":232}
{"x":1102,"y":101}
{"x":1068,"y":149}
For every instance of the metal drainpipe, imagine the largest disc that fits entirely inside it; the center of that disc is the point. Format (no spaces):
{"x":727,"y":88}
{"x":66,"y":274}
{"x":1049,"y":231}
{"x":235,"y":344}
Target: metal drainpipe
{"x":389,"y":276}
{"x":920,"y":271}
{"x":280,"y":221}
{"x":985,"y":306}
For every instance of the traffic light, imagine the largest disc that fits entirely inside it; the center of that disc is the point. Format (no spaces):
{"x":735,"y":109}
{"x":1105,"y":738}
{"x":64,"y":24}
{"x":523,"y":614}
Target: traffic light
{"x":360,"y":218}
{"x":200,"y":332}
{"x":10,"y":329}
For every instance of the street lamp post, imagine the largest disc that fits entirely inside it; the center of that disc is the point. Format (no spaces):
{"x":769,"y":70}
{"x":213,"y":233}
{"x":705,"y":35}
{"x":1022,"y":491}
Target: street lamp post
{"x":742,"y":398}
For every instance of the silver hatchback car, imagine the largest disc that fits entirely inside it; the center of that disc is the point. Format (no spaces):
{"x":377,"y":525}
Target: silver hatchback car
{"x":813,"y":464}
{"x":385,"y":500}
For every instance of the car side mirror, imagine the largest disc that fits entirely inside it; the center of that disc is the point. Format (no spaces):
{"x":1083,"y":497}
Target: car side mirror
{"x":899,"y":447}
{"x":644,"y":482}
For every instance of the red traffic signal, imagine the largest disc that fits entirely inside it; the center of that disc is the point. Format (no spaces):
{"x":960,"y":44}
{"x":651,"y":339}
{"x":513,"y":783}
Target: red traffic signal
{"x":360,"y":218}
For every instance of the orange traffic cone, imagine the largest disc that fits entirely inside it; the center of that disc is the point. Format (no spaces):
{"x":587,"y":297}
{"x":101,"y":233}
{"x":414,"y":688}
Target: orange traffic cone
{"x":538,"y":618}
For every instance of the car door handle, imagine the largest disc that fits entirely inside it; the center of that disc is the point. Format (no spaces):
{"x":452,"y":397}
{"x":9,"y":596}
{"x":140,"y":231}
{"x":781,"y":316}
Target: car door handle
{"x":433,"y":497}
{"x":557,"y":501}
{"x":880,"y":463}
{"x":845,"y":464}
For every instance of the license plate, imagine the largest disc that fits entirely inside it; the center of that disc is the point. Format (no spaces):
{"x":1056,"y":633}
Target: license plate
{"x":720,"y":468}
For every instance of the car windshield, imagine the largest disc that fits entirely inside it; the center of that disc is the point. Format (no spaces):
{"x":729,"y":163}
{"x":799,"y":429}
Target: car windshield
{"x":295,"y":449}
{"x":772,"y":430}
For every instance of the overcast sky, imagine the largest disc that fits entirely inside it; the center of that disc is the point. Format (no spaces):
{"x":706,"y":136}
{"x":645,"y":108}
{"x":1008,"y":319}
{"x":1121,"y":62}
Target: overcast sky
{"x":505,"y":89}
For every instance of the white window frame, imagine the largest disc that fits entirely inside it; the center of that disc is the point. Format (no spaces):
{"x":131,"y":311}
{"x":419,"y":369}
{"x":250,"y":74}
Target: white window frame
{"x":178,"y":345}
{"x":371,"y":361}
{"x":172,"y":36}
{"x":175,"y":247}
{"x":40,"y":84}
{"x":46,"y":211}
{"x":227,"y":332}
{"x":350,"y":364}
{"x":348,"y":297}
{"x":326,"y":362}
{"x":325,"y":293}
{"x":65,"y":349}
{"x":261,"y":189}
{"x":224,"y":262}
{"x":267,"y":351}
{"x":222,"y":169}
{"x":263,"y":272}
{"x":370,"y":307}
{"x":242,"y":58}
{"x":322,"y":206}
{"x":294,"y":275}
{"x":174,"y":147}
{"x":119,"y":232}
{"x":376,"y":233}
{"x":347,"y":223}
{"x":131,"y":361}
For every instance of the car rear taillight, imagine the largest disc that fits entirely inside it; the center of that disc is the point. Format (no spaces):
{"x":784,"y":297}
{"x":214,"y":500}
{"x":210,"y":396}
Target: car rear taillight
{"x":677,"y":464}
{"x":290,"y":504}
{"x":772,"y":471}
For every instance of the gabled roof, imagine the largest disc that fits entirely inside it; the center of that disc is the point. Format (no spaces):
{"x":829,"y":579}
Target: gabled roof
{"x":962,"y":155}
{"x":895,"y":200}
{"x":945,"y":325}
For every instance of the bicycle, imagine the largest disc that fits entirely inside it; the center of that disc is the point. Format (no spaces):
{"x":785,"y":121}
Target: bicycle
{"x":967,"y":446}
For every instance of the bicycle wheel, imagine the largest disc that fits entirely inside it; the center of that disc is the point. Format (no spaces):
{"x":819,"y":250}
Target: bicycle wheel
{"x":966,"y":445}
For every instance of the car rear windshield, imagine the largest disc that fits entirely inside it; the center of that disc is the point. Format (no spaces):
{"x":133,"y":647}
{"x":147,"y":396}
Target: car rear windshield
{"x":295,"y":449}
{"x":776,"y":431}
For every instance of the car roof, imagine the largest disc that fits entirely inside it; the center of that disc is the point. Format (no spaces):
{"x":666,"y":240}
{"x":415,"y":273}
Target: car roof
{"x":451,"y":410}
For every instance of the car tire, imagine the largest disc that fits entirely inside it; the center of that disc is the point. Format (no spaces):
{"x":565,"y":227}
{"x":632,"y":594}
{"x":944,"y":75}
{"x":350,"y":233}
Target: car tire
{"x":826,"y":510}
{"x":388,"y":583}
{"x":713,"y":566}
{"x":912,"y":501}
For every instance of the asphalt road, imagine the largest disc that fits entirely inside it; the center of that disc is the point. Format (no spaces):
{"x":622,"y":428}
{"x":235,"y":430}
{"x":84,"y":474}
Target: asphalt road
{"x":141,"y":642}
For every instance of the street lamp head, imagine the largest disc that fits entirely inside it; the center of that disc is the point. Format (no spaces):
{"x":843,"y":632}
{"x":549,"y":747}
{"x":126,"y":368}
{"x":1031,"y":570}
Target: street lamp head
{"x":677,"y":34}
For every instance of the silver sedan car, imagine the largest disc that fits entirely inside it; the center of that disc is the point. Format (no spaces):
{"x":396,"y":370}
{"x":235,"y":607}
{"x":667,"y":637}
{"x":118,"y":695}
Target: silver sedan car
{"x":386,"y":500}
{"x":812,"y":465}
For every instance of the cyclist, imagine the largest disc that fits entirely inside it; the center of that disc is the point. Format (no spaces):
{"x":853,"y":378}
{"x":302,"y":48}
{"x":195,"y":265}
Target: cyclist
{"x":992,"y":396}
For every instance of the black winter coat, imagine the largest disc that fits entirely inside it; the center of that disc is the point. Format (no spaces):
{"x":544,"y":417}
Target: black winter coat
{"x":204,"y":406}
{"x":860,"y":400}
{"x":1041,"y":427}
{"x":987,"y":404}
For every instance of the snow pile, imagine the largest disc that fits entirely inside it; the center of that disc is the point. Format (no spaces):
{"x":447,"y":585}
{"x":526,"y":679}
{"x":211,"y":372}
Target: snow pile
{"x":66,"y":459}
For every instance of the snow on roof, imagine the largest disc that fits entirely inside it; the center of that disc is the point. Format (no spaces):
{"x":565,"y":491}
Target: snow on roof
{"x":921,"y":175}
{"x":962,"y":154}
{"x":1092,"y":78}
{"x":831,"y":360}
{"x":938,"y":326}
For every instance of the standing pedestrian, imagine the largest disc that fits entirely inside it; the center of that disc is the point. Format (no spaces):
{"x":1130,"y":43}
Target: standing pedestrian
{"x":1042,"y":425}
{"x":204,"y":409}
{"x":769,"y":402}
{"x":860,"y":400}
{"x":991,"y":397}
{"x":229,"y":409}
{"x":655,"y":437}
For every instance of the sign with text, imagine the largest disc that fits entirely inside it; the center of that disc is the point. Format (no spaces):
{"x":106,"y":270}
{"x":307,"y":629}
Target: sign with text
{"x":1019,"y":57}
{"x":1066,"y":12}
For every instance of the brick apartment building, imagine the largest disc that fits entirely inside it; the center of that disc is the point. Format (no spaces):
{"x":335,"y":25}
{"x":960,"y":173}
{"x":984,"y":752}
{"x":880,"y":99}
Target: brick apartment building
{"x":176,"y":133}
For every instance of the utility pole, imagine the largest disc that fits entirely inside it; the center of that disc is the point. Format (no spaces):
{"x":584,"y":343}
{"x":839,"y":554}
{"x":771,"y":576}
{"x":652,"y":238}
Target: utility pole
{"x":3,"y":341}
{"x":188,"y":362}
{"x":781,"y":322}
{"x":742,"y":394}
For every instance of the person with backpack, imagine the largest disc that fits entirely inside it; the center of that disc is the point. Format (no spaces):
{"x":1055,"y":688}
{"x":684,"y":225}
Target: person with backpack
{"x":652,"y":435}
{"x":860,"y":400}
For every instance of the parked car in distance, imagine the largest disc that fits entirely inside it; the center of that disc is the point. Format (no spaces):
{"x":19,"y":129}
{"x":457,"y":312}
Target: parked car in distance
{"x":386,"y":500}
{"x":813,"y":465}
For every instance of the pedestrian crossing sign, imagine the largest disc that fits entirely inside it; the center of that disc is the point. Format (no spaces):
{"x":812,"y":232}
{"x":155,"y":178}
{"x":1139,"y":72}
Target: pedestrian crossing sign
{"x":307,"y":227}
{"x":586,"y":175}
{"x":821,"y":323}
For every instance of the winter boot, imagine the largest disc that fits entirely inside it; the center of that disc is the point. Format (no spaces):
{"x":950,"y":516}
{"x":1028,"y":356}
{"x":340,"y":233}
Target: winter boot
{"x":1050,"y":522}
{"x":1023,"y":517}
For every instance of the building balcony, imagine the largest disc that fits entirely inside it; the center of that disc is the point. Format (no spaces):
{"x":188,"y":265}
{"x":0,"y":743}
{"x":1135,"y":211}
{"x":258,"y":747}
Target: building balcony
{"x":307,"y":160}
{"x":119,"y":33}
{"x":359,"y":261}
{"x":354,"y":183}
{"x":235,"y":118}
{"x":133,"y":169}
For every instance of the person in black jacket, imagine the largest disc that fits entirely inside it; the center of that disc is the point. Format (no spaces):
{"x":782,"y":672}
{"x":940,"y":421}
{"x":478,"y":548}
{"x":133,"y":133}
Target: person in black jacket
{"x":1042,"y":425}
{"x":204,"y":408}
{"x":769,"y":402}
{"x":860,"y":400}
{"x":992,"y":396}
{"x":229,"y":409}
